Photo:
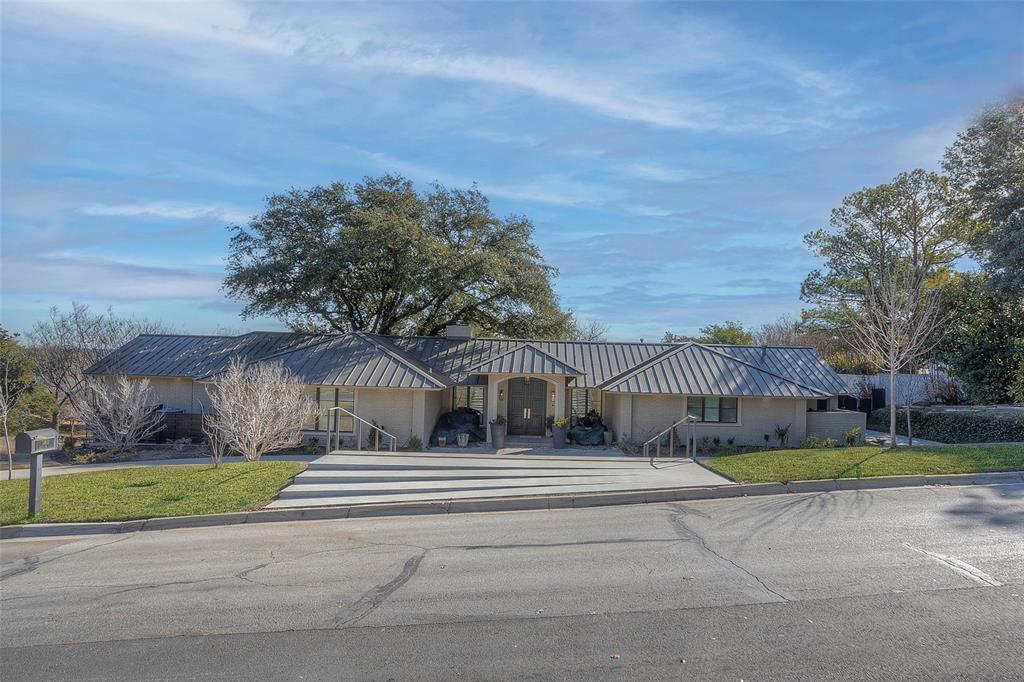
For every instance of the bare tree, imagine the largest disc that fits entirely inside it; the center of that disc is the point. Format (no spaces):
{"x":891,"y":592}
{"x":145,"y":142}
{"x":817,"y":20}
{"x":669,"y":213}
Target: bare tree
{"x":259,"y":408}
{"x":588,"y":330}
{"x":119,"y":412}
{"x":68,"y":343}
{"x":215,"y":434}
{"x":784,"y":331}
{"x":15,"y":382}
{"x":895,"y":322}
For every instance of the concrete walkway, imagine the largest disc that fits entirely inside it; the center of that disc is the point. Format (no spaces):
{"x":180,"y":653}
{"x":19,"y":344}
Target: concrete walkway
{"x":355,"y":479}
{"x":882,"y":438}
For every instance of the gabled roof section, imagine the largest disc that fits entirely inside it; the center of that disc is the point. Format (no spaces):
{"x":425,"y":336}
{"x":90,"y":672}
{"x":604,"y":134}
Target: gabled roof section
{"x":799,"y":363}
{"x":524,"y":359}
{"x":693,"y":369}
{"x":354,"y":360}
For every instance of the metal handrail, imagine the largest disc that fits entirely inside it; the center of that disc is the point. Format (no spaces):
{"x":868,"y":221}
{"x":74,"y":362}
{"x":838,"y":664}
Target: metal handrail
{"x":334,"y":432}
{"x":691,"y":431}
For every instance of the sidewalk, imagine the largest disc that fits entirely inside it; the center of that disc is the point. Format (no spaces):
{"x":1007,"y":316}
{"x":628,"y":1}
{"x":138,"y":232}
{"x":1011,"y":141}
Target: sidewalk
{"x":882,"y":438}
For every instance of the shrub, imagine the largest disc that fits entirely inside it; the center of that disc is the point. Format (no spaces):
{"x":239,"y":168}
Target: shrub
{"x":782,"y":433}
{"x":966,"y":425}
{"x":312,"y":446}
{"x":812,"y":441}
{"x":415,"y":443}
{"x":852,"y":437}
{"x":628,"y":445}
{"x":945,"y":390}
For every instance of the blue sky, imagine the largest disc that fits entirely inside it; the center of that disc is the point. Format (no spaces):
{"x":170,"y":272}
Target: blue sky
{"x":671,"y":156}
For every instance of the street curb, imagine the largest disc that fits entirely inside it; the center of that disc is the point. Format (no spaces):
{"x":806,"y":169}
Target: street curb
{"x":543,"y":502}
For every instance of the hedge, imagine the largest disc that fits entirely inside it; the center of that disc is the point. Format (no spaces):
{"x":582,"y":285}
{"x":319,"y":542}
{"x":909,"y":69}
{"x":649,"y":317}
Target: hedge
{"x":948,"y":426}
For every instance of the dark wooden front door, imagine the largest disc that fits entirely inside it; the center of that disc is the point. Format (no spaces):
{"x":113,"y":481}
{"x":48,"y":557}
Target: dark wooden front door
{"x":527,"y":406}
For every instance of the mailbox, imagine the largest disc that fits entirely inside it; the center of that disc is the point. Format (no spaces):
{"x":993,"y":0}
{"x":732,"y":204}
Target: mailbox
{"x":34,"y":444}
{"x":38,"y":441}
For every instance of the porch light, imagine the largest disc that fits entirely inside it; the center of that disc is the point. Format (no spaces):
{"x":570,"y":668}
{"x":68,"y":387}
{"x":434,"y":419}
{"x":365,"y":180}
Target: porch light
{"x":552,"y":397}
{"x":501,"y":394}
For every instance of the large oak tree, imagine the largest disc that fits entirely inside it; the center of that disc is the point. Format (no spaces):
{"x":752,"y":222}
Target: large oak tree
{"x":380,"y":257}
{"x":986,"y":163}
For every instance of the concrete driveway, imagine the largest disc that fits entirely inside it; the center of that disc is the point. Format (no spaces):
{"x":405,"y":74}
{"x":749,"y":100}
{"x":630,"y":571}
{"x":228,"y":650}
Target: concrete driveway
{"x":348,"y":479}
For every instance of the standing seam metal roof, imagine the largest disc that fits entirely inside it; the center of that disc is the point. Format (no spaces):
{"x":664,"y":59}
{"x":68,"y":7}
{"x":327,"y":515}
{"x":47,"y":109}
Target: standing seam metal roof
{"x":361,"y":359}
{"x":693,"y":369}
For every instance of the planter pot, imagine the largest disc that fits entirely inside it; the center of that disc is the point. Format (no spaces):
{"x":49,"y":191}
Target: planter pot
{"x":442,"y":441}
{"x":462,"y":439}
{"x":497,"y":436}
{"x":608,"y":437}
{"x":558,"y":437}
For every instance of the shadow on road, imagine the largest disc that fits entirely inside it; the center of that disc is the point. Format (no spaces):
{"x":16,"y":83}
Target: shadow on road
{"x":991,"y":505}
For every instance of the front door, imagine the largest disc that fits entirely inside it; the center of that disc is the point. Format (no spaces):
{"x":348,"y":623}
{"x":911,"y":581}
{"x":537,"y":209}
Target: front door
{"x":527,"y":403}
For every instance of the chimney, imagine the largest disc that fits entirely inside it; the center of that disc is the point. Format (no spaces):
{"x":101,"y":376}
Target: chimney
{"x":458,"y":331}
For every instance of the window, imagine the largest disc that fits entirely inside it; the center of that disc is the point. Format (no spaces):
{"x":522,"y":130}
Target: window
{"x":713,"y":410}
{"x":472,"y":397}
{"x":326,"y":398}
{"x":584,"y":400}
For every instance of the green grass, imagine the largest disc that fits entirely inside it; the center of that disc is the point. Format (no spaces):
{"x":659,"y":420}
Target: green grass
{"x":149,"y":492}
{"x":866,"y":462}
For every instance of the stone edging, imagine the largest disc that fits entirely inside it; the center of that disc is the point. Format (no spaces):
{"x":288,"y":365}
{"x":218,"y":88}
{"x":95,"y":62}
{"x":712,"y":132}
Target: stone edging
{"x":541,"y":502}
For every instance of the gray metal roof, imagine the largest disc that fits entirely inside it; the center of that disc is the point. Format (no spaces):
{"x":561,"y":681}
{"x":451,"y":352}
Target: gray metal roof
{"x":595,"y":361}
{"x":356,"y":360}
{"x":526,"y":359}
{"x":799,"y":363}
{"x":360,"y":359}
{"x":693,"y":369}
{"x":180,"y":355}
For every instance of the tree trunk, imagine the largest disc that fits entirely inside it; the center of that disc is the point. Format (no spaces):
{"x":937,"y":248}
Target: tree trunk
{"x":10,"y":452}
{"x":892,"y":408}
{"x":910,"y":434}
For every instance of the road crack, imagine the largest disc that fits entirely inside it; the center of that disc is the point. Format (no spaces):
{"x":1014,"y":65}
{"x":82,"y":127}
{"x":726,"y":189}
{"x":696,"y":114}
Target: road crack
{"x":684,"y":532}
{"x":376,"y":596}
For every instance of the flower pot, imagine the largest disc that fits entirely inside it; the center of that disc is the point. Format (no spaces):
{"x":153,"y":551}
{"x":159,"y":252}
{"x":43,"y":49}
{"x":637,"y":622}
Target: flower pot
{"x":609,"y":436}
{"x":442,"y":441}
{"x":558,"y":437}
{"x":462,"y":439}
{"x":498,"y":436}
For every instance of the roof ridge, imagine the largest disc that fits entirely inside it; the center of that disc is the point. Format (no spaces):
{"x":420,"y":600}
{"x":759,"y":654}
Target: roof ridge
{"x":521,"y":340}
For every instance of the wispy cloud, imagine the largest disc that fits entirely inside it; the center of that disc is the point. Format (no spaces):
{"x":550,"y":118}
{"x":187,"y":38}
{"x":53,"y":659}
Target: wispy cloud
{"x":92,"y":277}
{"x":167,"y":210}
{"x":639,"y":85}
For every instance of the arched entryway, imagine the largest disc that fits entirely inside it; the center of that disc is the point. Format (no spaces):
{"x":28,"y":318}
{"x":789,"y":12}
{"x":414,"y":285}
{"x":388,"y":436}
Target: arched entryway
{"x":527,"y":406}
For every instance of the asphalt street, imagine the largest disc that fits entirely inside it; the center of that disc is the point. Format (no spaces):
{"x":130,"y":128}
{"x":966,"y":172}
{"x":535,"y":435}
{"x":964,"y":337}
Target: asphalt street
{"x":923,"y":583}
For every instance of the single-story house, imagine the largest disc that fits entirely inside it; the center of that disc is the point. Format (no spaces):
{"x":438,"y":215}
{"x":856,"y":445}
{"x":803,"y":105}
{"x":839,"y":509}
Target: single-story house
{"x":404,"y":383}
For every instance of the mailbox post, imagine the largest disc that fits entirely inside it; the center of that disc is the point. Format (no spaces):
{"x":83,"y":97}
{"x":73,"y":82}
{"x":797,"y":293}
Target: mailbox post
{"x":35,"y":444}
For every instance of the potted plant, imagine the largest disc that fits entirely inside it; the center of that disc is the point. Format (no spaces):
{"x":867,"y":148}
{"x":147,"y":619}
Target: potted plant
{"x":547,"y":426}
{"x":462,"y":439}
{"x":609,"y":436}
{"x":558,"y":431}
{"x":498,"y":432}
{"x":442,"y":441}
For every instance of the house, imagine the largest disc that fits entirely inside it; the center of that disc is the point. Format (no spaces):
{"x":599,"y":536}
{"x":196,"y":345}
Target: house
{"x":405,"y":383}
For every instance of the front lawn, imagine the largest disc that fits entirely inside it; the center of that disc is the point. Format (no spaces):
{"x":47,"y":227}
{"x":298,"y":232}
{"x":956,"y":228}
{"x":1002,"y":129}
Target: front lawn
{"x":865,"y":462}
{"x":149,"y":492}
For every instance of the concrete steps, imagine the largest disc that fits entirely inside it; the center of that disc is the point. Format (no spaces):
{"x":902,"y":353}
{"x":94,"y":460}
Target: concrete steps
{"x":340,"y":479}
